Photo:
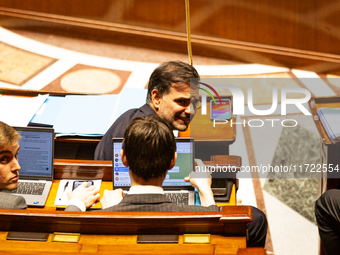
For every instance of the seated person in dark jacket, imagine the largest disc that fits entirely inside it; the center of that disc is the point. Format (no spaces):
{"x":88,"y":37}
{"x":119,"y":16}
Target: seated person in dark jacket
{"x":170,"y":96}
{"x":149,"y":150}
{"x":327,"y":213}
{"x":9,"y":168}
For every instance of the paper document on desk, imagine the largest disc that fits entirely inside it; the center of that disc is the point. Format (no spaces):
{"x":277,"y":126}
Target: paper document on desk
{"x":18,"y":111}
{"x":48,"y":112}
{"x":67,"y":186}
{"x":85,"y":115}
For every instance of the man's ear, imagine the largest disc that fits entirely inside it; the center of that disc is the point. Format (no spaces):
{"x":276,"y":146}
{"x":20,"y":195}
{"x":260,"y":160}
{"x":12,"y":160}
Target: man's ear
{"x":156,"y":98}
{"x":173,"y":161}
{"x":123,"y":156}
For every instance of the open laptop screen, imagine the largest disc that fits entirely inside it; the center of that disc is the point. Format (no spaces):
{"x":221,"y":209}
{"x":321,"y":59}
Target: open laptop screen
{"x":175,"y":176}
{"x":36,"y":151}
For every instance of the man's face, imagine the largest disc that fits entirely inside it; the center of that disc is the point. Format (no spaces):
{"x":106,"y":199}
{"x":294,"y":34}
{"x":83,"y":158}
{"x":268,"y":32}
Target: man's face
{"x":178,"y":106}
{"x":9,"y":167}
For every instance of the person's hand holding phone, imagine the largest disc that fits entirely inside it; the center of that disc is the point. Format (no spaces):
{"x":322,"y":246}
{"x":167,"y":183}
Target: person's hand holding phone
{"x":87,"y":195}
{"x":76,"y":184}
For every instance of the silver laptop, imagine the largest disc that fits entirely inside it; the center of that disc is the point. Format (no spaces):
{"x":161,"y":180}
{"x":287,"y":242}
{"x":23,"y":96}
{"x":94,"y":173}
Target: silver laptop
{"x":36,"y":162}
{"x":175,"y":188}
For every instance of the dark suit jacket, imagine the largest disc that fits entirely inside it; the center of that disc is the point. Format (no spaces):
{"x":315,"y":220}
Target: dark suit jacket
{"x":117,"y":130}
{"x":150,"y":203}
{"x":10,"y":201}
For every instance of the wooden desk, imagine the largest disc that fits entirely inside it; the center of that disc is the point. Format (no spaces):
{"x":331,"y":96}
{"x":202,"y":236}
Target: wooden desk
{"x":329,"y":152}
{"x":126,"y":244}
{"x":95,"y":169}
{"x":104,"y":232}
{"x":122,"y":244}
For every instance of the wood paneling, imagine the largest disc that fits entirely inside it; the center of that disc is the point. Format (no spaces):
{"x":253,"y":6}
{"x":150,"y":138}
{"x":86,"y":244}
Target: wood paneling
{"x":230,"y":221}
{"x":295,"y":34}
{"x":306,"y":25}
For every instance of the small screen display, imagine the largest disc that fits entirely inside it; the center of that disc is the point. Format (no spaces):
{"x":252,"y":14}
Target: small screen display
{"x":174,"y":177}
{"x":219,"y":111}
{"x":36,"y":153}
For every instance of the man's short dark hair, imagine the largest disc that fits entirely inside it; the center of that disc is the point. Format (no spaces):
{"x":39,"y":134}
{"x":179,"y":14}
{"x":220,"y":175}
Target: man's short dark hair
{"x":167,"y":73}
{"x":149,"y":146}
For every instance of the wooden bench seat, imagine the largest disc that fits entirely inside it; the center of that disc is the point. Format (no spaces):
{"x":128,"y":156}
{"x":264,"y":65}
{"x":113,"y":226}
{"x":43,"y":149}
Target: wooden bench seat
{"x":116,"y":233}
{"x":229,"y":221}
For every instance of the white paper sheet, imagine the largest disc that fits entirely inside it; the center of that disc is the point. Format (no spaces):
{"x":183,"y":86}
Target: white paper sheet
{"x":61,"y":198}
{"x":18,"y":111}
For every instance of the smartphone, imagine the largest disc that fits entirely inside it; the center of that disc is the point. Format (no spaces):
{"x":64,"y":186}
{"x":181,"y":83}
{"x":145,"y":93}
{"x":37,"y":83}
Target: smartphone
{"x":220,"y":112}
{"x":77,"y":183}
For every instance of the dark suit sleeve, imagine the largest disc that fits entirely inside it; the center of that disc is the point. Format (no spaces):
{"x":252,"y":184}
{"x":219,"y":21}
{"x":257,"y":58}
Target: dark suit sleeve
{"x":154,"y":203}
{"x":104,"y":148}
{"x":117,"y":130}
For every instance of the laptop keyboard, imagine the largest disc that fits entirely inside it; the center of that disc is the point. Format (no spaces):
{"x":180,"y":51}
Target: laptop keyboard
{"x":180,"y":198}
{"x":30,"y":188}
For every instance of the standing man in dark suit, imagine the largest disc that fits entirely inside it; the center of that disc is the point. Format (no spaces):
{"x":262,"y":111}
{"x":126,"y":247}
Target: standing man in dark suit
{"x":149,"y":150}
{"x":170,"y":96}
{"x":9,"y":168}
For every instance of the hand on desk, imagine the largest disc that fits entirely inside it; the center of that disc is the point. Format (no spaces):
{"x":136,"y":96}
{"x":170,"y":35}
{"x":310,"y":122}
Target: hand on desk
{"x":111,"y":198}
{"x":88,"y":195}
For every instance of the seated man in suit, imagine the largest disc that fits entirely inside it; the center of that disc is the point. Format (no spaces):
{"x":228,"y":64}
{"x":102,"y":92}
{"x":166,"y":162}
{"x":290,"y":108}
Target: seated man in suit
{"x":9,"y":168}
{"x":149,"y":150}
{"x":170,"y":96}
{"x":327,"y":213}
